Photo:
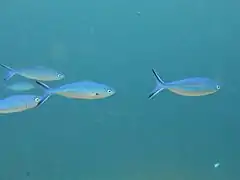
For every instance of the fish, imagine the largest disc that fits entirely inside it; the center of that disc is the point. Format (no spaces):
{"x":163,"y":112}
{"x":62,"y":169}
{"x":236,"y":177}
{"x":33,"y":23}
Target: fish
{"x":35,"y":73}
{"x":20,"y":103}
{"x":195,"y":86}
{"x":20,"y":86}
{"x":80,"y":90}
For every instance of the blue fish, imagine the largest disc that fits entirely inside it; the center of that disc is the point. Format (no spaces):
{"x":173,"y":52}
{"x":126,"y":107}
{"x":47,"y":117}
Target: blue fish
{"x":196,"y":86}
{"x":80,"y":90}
{"x":36,"y":73}
{"x":20,"y":86}
{"x":19,"y":103}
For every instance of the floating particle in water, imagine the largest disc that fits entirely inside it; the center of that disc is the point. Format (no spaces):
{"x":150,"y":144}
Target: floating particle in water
{"x":138,"y":13}
{"x":27,"y":174}
{"x":216,"y":165}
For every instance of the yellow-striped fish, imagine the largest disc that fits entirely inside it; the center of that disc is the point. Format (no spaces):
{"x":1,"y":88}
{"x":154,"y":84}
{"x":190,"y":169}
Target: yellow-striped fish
{"x":19,"y":103}
{"x":36,"y":73}
{"x":196,"y":86}
{"x":80,"y":90}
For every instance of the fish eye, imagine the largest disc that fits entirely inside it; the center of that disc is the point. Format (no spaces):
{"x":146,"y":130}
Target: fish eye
{"x":109,"y":91}
{"x":218,"y":87}
{"x":59,"y":75}
{"x":37,"y":99}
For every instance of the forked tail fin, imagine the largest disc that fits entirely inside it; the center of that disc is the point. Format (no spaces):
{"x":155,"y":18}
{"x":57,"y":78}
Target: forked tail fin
{"x":47,"y":94}
{"x":11,"y":72}
{"x":160,"y":85}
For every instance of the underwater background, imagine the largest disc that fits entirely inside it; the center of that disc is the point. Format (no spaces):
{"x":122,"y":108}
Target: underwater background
{"x":127,"y":136}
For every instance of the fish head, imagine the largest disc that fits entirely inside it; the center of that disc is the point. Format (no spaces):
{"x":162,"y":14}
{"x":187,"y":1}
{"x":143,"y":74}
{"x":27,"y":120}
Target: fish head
{"x":213,"y":86}
{"x":21,"y":102}
{"x":31,"y":101}
{"x":37,"y":99}
{"x":218,"y":87}
{"x":102,"y":91}
{"x":59,"y":76}
{"x":47,"y":74}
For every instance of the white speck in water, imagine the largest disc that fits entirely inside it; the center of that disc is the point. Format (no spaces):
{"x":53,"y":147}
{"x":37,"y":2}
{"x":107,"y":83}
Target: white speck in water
{"x":216,"y":165}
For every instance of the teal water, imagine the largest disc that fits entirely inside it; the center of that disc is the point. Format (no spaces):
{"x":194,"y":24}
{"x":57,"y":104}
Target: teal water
{"x":125,"y":137}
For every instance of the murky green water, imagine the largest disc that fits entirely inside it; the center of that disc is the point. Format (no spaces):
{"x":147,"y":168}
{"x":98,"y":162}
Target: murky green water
{"x":125,"y":136}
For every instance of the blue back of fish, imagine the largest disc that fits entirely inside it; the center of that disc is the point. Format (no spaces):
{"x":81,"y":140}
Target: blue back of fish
{"x":84,"y":90}
{"x":193,"y":86}
{"x":18,"y":103}
{"x":41,"y":73}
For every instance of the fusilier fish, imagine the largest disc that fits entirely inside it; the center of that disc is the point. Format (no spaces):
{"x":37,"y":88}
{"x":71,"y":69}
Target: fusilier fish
{"x":80,"y":90}
{"x":196,"y":86}
{"x":36,"y":73}
{"x":20,"y":86}
{"x":19,"y":103}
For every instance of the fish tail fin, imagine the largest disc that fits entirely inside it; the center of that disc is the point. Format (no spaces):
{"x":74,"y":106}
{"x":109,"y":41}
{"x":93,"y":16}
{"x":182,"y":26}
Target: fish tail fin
{"x":10,"y":74}
{"x":46,"y":88}
{"x":44,"y":99}
{"x":47,"y":94}
{"x":160,"y":85}
{"x":43,"y":85}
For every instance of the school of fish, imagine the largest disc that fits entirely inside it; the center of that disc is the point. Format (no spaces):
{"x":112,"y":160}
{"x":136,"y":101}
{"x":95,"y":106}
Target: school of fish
{"x":88,"y":90}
